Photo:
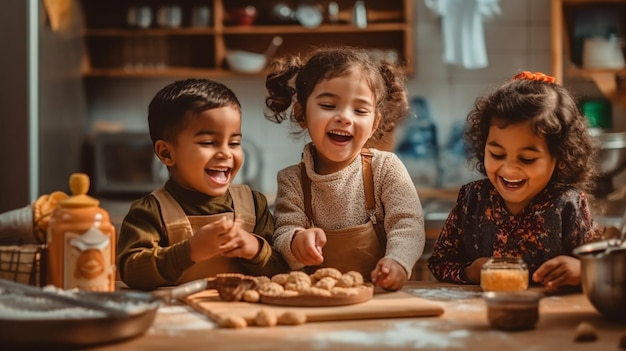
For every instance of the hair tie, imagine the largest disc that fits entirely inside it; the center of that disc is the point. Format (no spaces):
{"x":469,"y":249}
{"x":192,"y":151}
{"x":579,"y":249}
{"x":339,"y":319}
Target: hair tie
{"x":538,"y":76}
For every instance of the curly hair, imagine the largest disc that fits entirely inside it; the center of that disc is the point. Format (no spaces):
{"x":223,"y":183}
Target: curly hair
{"x":386,"y":81}
{"x":169,"y":109}
{"x":552,"y":112}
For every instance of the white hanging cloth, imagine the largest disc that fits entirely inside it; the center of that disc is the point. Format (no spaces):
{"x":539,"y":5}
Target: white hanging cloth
{"x":463,"y":32}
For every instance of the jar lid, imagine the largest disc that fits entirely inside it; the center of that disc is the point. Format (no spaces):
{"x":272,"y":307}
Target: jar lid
{"x":505,"y":263}
{"x":79,"y":185}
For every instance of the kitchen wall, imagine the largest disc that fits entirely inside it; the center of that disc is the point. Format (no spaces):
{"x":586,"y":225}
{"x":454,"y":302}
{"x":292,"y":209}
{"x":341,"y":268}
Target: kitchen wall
{"x":14,"y":120}
{"x":42,"y":102}
{"x":519,"y":39}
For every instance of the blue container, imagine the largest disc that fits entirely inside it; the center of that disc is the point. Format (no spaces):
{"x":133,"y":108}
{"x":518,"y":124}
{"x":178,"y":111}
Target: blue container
{"x":420,"y":138}
{"x":419,"y":149}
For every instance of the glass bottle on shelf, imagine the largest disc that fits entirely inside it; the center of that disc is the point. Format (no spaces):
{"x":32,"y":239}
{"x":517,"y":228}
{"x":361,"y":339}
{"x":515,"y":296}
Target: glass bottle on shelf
{"x":459,"y":169}
{"x":419,"y":149}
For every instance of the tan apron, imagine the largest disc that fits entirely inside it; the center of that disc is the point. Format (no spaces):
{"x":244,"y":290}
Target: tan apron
{"x":355,"y":248}
{"x":179,"y":227}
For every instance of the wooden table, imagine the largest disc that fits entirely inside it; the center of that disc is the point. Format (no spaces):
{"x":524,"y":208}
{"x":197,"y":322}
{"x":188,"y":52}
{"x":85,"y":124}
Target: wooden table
{"x":463,"y":326}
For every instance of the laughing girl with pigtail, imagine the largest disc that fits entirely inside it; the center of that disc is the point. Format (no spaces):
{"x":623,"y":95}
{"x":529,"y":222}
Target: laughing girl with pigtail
{"x":346,"y":205}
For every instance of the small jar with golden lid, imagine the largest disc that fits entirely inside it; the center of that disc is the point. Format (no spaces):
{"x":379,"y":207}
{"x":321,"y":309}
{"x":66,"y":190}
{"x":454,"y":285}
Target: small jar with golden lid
{"x":504,"y":274}
{"x":81,"y":242}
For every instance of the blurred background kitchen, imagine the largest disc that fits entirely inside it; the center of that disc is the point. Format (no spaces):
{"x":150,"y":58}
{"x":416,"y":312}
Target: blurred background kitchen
{"x":78,"y":77}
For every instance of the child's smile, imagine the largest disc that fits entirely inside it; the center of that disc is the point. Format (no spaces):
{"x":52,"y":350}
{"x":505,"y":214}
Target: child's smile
{"x":518,"y":163}
{"x":208,"y":154}
{"x":339,"y":136}
{"x":340,"y":117}
{"x":219,"y":175}
{"x":509,"y":183}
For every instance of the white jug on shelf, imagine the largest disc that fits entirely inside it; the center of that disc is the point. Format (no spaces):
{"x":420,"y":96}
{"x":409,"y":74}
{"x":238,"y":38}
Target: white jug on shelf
{"x":600,"y":52}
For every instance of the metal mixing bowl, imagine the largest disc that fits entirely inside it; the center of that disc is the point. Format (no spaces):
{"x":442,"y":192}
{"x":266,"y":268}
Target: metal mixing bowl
{"x":603,"y":274}
{"x":612,"y":158}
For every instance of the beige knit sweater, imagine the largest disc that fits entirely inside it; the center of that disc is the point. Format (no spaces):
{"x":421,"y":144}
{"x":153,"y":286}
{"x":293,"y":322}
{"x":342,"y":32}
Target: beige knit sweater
{"x":338,"y":201}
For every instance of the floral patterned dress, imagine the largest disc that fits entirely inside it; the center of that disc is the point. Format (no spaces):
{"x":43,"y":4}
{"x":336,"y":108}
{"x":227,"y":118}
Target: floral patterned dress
{"x":555,"y":222}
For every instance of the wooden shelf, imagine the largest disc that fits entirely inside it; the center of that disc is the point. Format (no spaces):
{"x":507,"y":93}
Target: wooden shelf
{"x":111,"y":45}
{"x":607,"y":80}
{"x":590,"y":73}
{"x":329,"y":28}
{"x":156,"y":73}
{"x":125,"y":32}
{"x":587,"y":2}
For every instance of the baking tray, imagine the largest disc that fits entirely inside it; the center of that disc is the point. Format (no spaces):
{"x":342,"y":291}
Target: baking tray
{"x":34,"y":322}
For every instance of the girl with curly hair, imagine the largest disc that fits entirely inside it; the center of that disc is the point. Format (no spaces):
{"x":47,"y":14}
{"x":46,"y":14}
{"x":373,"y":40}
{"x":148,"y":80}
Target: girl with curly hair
{"x":531,"y":141}
{"x":345,"y":205}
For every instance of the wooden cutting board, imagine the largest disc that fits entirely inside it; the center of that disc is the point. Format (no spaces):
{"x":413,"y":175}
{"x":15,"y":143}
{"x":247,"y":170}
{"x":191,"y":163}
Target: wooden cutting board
{"x":383,"y":305}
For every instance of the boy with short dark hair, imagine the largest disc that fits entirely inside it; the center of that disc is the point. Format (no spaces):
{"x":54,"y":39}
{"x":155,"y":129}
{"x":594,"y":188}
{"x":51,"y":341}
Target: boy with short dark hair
{"x":197,"y":224}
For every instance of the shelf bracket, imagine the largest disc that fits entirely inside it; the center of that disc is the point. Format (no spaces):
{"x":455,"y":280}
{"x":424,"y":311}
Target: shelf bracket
{"x":607,"y":83}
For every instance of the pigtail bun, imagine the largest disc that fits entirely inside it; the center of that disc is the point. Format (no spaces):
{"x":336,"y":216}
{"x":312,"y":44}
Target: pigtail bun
{"x":394,"y":106}
{"x":280,"y":92}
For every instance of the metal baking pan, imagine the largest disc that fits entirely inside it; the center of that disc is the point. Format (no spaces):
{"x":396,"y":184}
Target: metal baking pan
{"x":54,"y":324}
{"x":33,"y":321}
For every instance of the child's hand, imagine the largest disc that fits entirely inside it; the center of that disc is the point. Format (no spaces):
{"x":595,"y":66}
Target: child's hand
{"x":558,"y":271}
{"x":211,"y":240}
{"x":243,"y":244}
{"x":307,"y":244}
{"x":472,"y":272}
{"x":389,"y":274}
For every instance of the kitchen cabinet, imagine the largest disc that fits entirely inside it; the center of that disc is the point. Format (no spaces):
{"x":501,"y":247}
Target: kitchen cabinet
{"x":571,"y":21}
{"x":142,"y":38}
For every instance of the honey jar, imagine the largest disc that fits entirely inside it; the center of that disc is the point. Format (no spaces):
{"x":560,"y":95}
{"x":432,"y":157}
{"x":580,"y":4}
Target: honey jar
{"x":512,"y":310}
{"x":504,"y":274}
{"x":81,"y":242}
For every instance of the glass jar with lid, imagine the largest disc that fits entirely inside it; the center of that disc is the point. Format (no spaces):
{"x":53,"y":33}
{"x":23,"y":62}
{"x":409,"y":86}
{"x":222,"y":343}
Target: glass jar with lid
{"x":504,"y":274}
{"x":81,"y":242}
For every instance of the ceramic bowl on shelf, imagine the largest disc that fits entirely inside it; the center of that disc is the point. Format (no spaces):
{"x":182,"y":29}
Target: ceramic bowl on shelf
{"x":250,"y":62}
{"x":245,"y":61}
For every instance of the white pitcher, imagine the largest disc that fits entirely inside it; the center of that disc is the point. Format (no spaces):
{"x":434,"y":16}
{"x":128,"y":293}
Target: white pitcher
{"x":603,"y":53}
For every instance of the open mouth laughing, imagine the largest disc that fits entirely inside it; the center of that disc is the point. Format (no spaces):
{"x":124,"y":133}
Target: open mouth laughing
{"x":219,"y":175}
{"x":512,"y":183}
{"x":339,"y":136}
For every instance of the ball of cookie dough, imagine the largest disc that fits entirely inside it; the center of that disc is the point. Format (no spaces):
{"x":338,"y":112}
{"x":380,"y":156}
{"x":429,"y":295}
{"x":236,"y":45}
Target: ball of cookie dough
{"x":327,"y":272}
{"x":326,"y":283}
{"x":350,"y":279}
{"x":270,"y":289}
{"x":280,"y":278}
{"x":298,"y":276}
{"x":251,"y":296}
{"x":585,"y":332}
{"x":292,"y":318}
{"x":232,"y":321}
{"x":262,"y":279}
{"x":266,"y":318}
{"x":297,"y":281}
{"x":297,"y":286}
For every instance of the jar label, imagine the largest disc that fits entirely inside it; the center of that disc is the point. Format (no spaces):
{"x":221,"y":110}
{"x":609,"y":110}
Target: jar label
{"x":87,"y":261}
